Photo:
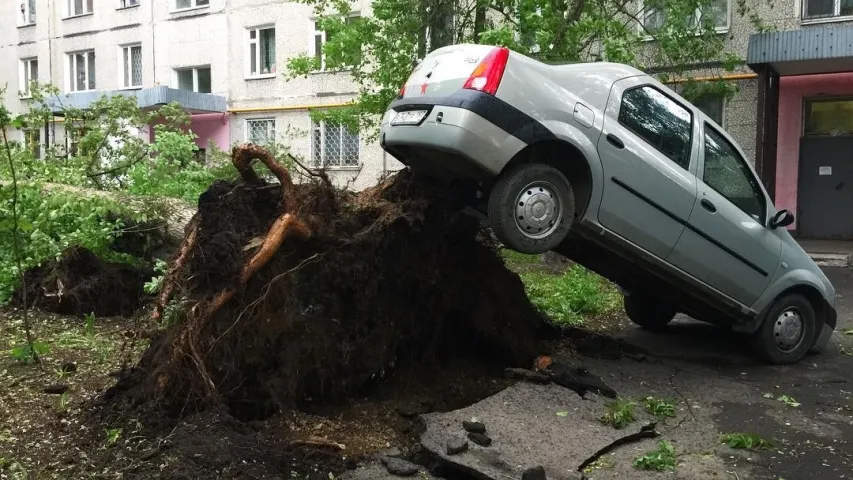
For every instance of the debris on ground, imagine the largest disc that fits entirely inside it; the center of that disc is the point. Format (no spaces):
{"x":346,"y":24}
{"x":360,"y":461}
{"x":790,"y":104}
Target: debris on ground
{"x":81,"y":283}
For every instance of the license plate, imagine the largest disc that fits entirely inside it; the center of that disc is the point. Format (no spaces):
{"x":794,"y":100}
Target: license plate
{"x":409,"y":117}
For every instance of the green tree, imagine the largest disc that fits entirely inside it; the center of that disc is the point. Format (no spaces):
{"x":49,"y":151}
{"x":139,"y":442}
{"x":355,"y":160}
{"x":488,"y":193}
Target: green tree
{"x":380,"y":50}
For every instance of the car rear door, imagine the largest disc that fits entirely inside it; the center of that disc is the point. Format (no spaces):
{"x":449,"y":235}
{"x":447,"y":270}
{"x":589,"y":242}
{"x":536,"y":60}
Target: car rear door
{"x":727,"y":244}
{"x":648,"y":154}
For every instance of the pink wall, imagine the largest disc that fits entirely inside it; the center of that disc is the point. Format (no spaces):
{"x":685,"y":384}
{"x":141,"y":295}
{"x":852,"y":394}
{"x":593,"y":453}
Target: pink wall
{"x":207,"y":126}
{"x":792,"y":90}
{"x":211,"y":126}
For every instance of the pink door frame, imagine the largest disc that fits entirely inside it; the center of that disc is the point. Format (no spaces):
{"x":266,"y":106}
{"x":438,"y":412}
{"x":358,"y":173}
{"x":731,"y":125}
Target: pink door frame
{"x":792,"y":91}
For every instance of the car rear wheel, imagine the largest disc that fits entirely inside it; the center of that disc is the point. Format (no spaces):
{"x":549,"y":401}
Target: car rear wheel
{"x":648,"y":312}
{"x":532,"y":208}
{"x":788,"y":330}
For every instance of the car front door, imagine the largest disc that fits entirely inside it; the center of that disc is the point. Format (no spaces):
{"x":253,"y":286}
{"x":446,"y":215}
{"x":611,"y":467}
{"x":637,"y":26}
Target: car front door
{"x":726,"y":243}
{"x":647,"y":152}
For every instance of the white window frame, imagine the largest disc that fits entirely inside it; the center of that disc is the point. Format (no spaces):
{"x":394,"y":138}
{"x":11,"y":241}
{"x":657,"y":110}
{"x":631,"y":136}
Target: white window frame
{"x":312,"y":44}
{"x":71,"y":66}
{"x":69,"y":9}
{"x":835,"y":16}
{"x":318,"y":163}
{"x":128,"y":66}
{"x":258,"y":120}
{"x":28,"y":14}
{"x":641,"y":25}
{"x":122,"y":4}
{"x":194,"y":4}
{"x":194,"y":70}
{"x":248,"y":52}
{"x":26,"y":75}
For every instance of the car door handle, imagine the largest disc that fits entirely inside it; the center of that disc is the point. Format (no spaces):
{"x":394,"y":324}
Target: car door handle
{"x":707,"y":205}
{"x":614,"y":140}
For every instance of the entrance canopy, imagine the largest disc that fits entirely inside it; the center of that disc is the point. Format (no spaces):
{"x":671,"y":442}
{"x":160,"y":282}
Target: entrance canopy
{"x":147,"y":98}
{"x":819,"y":49}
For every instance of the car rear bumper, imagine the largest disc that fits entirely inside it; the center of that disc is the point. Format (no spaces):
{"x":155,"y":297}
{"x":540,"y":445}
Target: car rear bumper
{"x":469,"y":133}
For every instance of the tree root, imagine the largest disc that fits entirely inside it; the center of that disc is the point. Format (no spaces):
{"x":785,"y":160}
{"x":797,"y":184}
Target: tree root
{"x":287,"y":225}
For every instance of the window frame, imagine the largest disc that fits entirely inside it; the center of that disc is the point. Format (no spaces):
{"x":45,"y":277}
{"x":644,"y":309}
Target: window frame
{"x":645,"y":33}
{"x":723,"y":104}
{"x":123,"y":4}
{"x":807,"y":103}
{"x":248,"y":52}
{"x":320,"y":34}
{"x":70,"y":13}
{"x":72,"y":68}
{"x":126,"y":66}
{"x":833,"y":17}
{"x":194,"y":5}
{"x":318,"y":155}
{"x":693,"y":124}
{"x":752,"y":179}
{"x":29,"y":13}
{"x":259,"y":119}
{"x":26,"y":75}
{"x":194,"y":70}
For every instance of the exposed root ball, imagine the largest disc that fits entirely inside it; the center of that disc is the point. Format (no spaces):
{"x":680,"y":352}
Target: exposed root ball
{"x":80,"y":283}
{"x":326,"y":292}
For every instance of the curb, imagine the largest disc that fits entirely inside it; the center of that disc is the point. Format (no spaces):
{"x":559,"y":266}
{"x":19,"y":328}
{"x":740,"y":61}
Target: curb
{"x":830,"y":259}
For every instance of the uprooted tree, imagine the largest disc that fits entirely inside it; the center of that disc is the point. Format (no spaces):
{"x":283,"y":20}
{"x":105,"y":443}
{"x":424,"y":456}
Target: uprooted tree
{"x":284,"y":292}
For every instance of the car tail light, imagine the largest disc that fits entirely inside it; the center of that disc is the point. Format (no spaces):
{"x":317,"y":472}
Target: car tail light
{"x":487,"y":76}
{"x":403,"y":91}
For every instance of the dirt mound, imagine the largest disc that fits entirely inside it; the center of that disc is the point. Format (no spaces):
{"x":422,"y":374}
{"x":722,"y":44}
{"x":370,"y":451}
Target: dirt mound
{"x":79,"y":283}
{"x":283,"y":295}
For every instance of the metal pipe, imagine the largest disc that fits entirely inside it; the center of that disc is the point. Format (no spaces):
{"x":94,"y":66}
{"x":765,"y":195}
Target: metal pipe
{"x":283,"y":108}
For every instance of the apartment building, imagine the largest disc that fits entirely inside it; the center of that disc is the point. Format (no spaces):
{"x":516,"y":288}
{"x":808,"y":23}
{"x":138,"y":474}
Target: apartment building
{"x":223,"y":60}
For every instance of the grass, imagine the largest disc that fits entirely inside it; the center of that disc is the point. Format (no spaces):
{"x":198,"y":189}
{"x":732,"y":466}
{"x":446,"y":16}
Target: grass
{"x":660,"y":459}
{"x":618,"y":413}
{"x":659,"y":407}
{"x":566,"y":296}
{"x":745,"y":441}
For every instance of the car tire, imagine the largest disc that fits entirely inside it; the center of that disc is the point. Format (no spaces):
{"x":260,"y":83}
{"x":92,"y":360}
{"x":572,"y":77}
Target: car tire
{"x":532,"y":208}
{"x":788,"y":330}
{"x":648,"y":312}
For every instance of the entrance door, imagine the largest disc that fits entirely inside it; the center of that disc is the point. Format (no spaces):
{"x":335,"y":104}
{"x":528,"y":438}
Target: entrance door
{"x":825,"y":190}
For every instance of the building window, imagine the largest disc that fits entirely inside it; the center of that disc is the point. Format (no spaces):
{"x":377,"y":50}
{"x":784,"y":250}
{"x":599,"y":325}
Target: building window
{"x":28,"y":12}
{"x":826,"y":8}
{"x":713,"y":106}
{"x":831,"y":117}
{"x":79,"y":7}
{"x":716,"y":13}
{"x":196,"y":79}
{"x":131,"y":66}
{"x":333,"y":145}
{"x":81,"y":71}
{"x":261,"y":51}
{"x":29,"y":74}
{"x":184,"y":4}
{"x":321,"y":37}
{"x":261,"y":131}
{"x":128,"y":3}
{"x":73,"y":135}
{"x":659,"y":120}
{"x":32,"y":139}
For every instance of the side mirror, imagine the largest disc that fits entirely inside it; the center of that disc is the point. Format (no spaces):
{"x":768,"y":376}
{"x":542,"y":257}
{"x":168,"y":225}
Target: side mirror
{"x":783,"y":218}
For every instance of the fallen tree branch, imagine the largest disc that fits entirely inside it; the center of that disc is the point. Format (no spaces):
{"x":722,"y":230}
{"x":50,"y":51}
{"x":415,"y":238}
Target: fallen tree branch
{"x":646,"y":431}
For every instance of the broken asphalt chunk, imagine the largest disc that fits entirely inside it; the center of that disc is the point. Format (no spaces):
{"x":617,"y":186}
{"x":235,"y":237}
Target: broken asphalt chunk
{"x":456,"y":446}
{"x":403,"y":468}
{"x":527,"y":375}
{"x":480,"y":439}
{"x":474,"y":427}
{"x":535,"y":473}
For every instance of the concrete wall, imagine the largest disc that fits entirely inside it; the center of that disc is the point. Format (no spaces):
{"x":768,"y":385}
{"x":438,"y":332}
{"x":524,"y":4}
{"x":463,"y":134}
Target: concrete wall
{"x":792,"y":92}
{"x":212,"y":127}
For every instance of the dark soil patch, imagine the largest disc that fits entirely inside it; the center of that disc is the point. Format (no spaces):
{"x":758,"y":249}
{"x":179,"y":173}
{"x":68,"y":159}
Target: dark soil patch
{"x":80,"y":283}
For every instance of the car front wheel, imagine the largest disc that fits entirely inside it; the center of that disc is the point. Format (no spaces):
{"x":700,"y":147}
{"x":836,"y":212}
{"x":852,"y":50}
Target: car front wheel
{"x":788,"y":330}
{"x":648,"y":312}
{"x":532,"y":208}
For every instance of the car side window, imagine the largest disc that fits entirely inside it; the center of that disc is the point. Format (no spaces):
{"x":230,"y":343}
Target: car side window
{"x":727,"y":172}
{"x":660,"y":121}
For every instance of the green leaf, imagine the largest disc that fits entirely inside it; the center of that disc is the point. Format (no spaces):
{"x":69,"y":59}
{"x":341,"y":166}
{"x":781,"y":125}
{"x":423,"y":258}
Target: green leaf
{"x":562,"y":413}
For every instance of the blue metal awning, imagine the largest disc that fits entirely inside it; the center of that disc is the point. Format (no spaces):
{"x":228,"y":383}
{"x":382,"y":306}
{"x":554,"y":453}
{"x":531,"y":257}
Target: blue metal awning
{"x":809,"y":50}
{"x":147,"y":98}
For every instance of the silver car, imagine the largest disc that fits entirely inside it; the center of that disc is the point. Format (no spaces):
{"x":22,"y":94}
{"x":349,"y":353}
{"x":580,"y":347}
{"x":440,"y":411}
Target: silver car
{"x":606,"y":165}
